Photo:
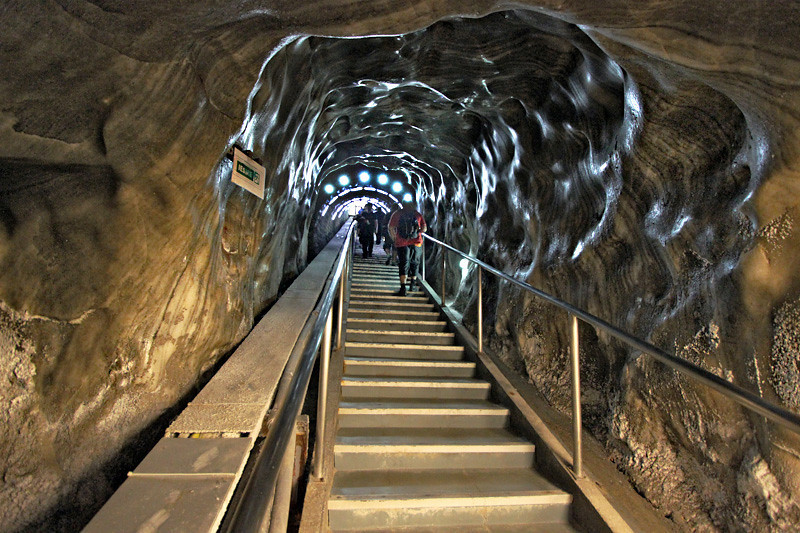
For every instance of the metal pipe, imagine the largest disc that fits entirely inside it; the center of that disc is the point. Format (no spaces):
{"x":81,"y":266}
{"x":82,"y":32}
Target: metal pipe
{"x":340,"y":314}
{"x":252,"y":511}
{"x":480,"y":309}
{"x":444,"y":273}
{"x":745,"y":398}
{"x":279,"y":516}
{"x":422,"y":261}
{"x":322,"y":397}
{"x":577,"y":449}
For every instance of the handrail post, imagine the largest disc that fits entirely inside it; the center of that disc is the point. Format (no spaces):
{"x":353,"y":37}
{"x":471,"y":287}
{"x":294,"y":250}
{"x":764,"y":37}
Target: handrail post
{"x":577,"y":451}
{"x":322,"y":397}
{"x":444,"y":270}
{"x":340,"y":314}
{"x":422,"y":260}
{"x":480,"y":309}
{"x":342,"y":284}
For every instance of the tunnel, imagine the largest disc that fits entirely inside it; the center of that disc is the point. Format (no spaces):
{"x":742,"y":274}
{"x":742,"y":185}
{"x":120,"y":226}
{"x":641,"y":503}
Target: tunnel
{"x":637,"y":160}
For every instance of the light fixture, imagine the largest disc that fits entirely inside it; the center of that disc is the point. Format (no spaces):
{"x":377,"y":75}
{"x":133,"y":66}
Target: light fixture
{"x":464,"y":263}
{"x":397,"y":186}
{"x":383,"y":179}
{"x":328,"y":189}
{"x":407,"y":197}
{"x":344,"y":180}
{"x":363,"y":177}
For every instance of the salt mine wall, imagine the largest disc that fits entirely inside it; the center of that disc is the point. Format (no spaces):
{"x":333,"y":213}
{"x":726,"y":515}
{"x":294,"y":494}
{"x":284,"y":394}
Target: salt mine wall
{"x":639,"y":160}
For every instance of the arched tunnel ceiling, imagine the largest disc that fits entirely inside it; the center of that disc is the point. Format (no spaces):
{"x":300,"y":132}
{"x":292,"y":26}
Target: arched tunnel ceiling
{"x":639,"y":159}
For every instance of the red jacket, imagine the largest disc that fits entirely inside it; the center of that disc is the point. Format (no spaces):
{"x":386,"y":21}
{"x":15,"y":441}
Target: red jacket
{"x":398,"y":240}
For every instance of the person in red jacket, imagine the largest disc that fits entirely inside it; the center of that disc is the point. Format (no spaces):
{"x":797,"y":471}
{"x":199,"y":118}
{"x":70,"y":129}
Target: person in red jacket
{"x":406,"y":226}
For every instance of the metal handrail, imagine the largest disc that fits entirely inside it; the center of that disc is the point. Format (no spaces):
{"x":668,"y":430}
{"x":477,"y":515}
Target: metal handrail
{"x":743,"y":397}
{"x":250,"y":514}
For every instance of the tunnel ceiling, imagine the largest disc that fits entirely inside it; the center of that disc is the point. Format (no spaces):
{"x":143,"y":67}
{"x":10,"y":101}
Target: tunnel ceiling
{"x":448,"y":119}
{"x":638,"y":159}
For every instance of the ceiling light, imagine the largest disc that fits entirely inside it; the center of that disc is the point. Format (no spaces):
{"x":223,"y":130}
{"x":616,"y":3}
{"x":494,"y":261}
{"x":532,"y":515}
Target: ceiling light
{"x":397,"y":186}
{"x":363,"y":177}
{"x":344,"y":180}
{"x":383,"y":179}
{"x":328,"y":188}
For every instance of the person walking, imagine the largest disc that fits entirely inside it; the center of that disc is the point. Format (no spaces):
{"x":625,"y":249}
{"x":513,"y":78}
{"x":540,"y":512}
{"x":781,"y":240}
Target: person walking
{"x":383,"y":219}
{"x":367,"y":223}
{"x":388,"y":244}
{"x":406,"y":226}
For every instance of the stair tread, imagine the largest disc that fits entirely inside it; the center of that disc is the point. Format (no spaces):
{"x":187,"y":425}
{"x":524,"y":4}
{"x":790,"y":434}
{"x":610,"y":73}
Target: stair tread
{"x":419,"y":381}
{"x":429,"y":436}
{"x":362,"y":278}
{"x":365,"y":282}
{"x":356,"y":290}
{"x":421,"y":485}
{"x":373,"y":304}
{"x":395,"y":312}
{"x":547,"y":527}
{"x":408,"y":298}
{"x":441,"y":334}
{"x":379,"y":345}
{"x":388,"y":321}
{"x":388,"y":361}
{"x":421,"y":404}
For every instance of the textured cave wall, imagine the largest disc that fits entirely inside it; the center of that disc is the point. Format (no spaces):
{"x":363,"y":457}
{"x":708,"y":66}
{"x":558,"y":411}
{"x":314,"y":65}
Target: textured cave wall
{"x":657,"y":224}
{"x":125,"y":272}
{"x":642,"y":164}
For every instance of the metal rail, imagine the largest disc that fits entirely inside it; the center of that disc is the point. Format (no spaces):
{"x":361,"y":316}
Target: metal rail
{"x":251,"y":513}
{"x":743,"y":397}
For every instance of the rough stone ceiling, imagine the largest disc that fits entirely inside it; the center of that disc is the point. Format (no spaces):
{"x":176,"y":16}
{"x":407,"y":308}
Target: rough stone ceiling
{"x":639,"y":159}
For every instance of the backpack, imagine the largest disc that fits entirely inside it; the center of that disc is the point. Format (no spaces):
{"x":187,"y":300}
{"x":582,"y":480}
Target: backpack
{"x":408,"y":226}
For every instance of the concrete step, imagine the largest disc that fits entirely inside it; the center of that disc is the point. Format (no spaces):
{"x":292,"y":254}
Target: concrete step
{"x":392,"y":306}
{"x":369,"y":280}
{"x":354,"y":387}
{"x":388,"y":289}
{"x":430,"y":448}
{"x":376,"y":271}
{"x":397,"y":325}
{"x":380,"y":265}
{"x":364,"y":276}
{"x":361,"y":500}
{"x":548,"y":527}
{"x":404,"y":337}
{"x":368,"y":290}
{"x":378,"y":258}
{"x":421,"y":412}
{"x":383,"y":278}
{"x":385,"y":284}
{"x":415,"y":297}
{"x":359,"y":366}
{"x":404,"y":351}
{"x":392,"y":314}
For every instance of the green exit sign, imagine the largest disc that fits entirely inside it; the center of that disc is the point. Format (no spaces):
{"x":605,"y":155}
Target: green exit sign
{"x":247,"y":172}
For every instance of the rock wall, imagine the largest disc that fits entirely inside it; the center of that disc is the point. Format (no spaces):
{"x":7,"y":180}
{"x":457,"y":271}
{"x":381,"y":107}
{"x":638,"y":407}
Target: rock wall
{"x":638,"y":160}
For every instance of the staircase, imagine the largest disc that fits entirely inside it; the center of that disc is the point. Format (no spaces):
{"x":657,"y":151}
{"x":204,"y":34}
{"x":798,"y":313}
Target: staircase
{"x":420,"y":447}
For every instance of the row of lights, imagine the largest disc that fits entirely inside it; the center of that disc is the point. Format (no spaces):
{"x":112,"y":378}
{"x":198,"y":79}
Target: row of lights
{"x":364,"y":177}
